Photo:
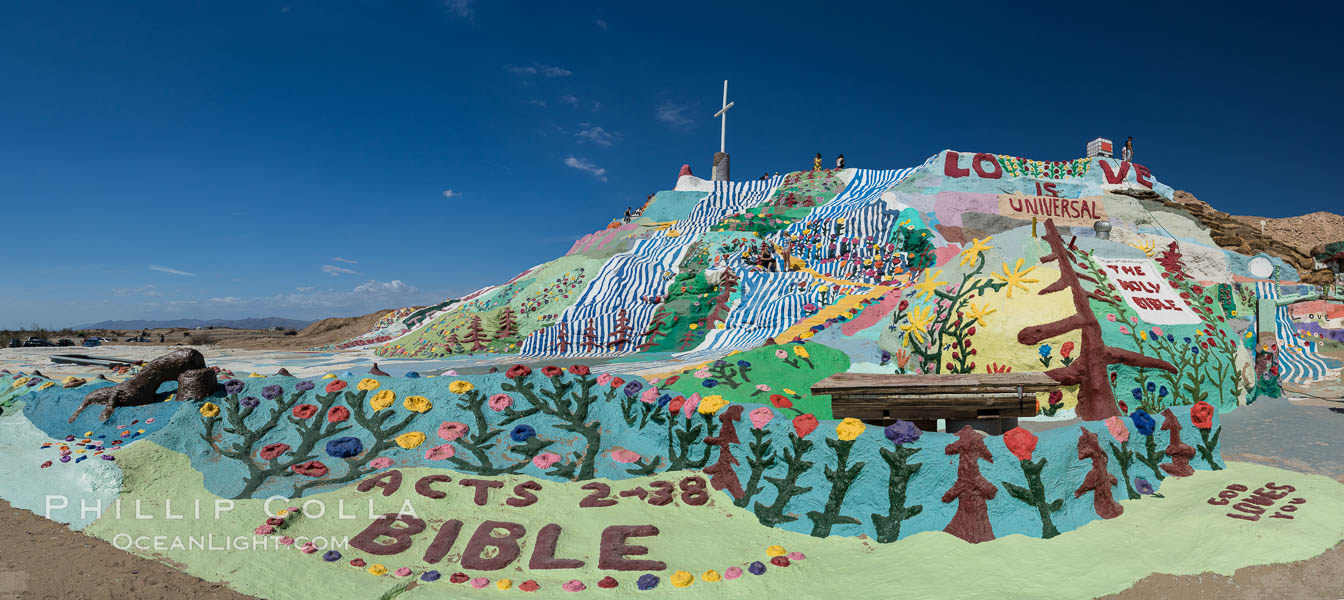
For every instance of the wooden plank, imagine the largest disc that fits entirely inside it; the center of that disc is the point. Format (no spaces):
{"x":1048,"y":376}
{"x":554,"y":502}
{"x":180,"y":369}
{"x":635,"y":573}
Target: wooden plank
{"x":950,"y":399}
{"x":940,"y":412}
{"x":842,"y":382}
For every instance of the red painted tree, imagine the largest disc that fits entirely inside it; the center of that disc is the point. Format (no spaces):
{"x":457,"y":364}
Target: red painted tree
{"x":727,"y":284}
{"x":1179,"y":451}
{"x":620,"y":332}
{"x":1098,"y":480}
{"x":508,"y":324}
{"x":972,"y":490}
{"x":722,"y":475}
{"x":453,"y":344}
{"x":562,"y":339}
{"x":1173,"y":262}
{"x":656,"y":329}
{"x":475,"y":335}
{"x":1096,"y":400}
{"x":589,"y":337}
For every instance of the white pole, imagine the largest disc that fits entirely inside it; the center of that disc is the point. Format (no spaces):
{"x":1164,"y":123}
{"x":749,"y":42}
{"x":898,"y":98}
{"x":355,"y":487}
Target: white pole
{"x":723,"y":125}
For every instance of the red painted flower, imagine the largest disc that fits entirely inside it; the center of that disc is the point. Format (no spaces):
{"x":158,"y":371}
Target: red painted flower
{"x":1201,"y":414}
{"x":312,"y":468}
{"x":804,"y":424}
{"x":1066,"y":349}
{"x":270,"y":451}
{"x":517,"y":371}
{"x":617,"y":382}
{"x":551,"y":371}
{"x":780,"y":401}
{"x":304,"y":411}
{"x":336,"y":385}
{"x":1124,"y":408}
{"x":338,"y":414}
{"x":580,"y":370}
{"x":1020,"y":442}
{"x":671,"y":380}
{"x":1056,"y":397}
{"x":676,"y":404}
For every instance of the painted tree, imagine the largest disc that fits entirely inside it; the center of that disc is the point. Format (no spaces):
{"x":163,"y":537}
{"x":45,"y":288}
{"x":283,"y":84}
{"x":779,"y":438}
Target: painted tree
{"x":1172,"y":261}
{"x":1180,"y":452}
{"x":727,"y":285}
{"x":655,"y":329}
{"x":589,"y":337}
{"x":1096,"y":400}
{"x":508,"y":324}
{"x":971,"y":490}
{"x":620,"y":332}
{"x":452,"y":342}
{"x":562,"y":339}
{"x":722,"y":475}
{"x":1098,"y":480}
{"x":475,"y":335}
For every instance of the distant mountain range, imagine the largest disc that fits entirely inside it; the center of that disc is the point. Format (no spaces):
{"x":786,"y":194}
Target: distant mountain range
{"x":253,"y":323}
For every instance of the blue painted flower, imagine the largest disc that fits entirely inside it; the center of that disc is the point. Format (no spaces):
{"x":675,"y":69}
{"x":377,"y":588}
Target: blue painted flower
{"x":664,"y":399}
{"x":1194,"y":349}
{"x":234,"y":386}
{"x":430,"y":575}
{"x":886,"y":357}
{"x":1152,"y":387}
{"x":331,"y":556}
{"x":1171,"y":338}
{"x":633,"y":388}
{"x":271,"y":392}
{"x":902,"y":432}
{"x":344,"y":447}
{"x":522,"y":433}
{"x":416,"y":375}
{"x":1138,"y":393}
{"x":1162,"y":392}
{"x":303,"y":386}
{"x":720,"y":363}
{"x":1142,"y":486}
{"x":709,"y":383}
{"x":744,"y":364}
{"x":1045,"y":350}
{"x":647,"y":581}
{"x":1186,"y":339}
{"x":756,"y":568}
{"x":1143,"y":422}
{"x":249,"y":402}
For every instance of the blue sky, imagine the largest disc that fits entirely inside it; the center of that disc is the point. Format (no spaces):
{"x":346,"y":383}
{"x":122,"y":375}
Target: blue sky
{"x":312,"y":159}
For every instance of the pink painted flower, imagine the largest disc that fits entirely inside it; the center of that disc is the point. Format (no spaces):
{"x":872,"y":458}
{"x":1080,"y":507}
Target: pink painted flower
{"x":1124,"y":330}
{"x":1117,"y":429}
{"x":649,"y":396}
{"x":440,"y":452}
{"x":308,"y":548}
{"x":781,"y":354}
{"x":480,"y":583}
{"x":544,"y":460}
{"x":381,"y":462}
{"x":1110,"y":317}
{"x":621,"y":455}
{"x":760,"y":416}
{"x":499,"y":402}
{"x":286,"y":540}
{"x":603,"y":379}
{"x":451,"y":430}
{"x":701,"y":374}
{"x":1134,"y":320}
{"x":691,"y":405}
{"x":762,"y":387}
{"x":264,"y":530}
{"x":1158,"y":331}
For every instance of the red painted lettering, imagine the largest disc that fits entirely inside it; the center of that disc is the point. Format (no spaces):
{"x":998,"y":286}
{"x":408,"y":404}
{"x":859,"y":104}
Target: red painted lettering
{"x":524,"y":494}
{"x":1111,"y":177}
{"x":443,"y":541}
{"x":614,"y":549}
{"x":367,"y":540}
{"x":483,"y":487}
{"x":1143,"y":176}
{"x":994,"y":173}
{"x":473,"y":556}
{"x":543,"y":554}
{"x":950,"y":167}
{"x":390,"y":481}
{"x":422,"y":486}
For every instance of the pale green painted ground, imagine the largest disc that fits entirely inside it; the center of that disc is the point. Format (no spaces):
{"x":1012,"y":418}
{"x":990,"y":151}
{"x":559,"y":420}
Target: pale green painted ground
{"x":1178,"y":534}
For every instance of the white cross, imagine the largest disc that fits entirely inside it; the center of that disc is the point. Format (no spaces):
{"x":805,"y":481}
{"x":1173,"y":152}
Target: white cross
{"x":722,"y":114}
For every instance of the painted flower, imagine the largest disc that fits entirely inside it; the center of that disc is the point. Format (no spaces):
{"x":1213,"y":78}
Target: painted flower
{"x":1056,"y":397}
{"x":1044,"y":351}
{"x":382,"y":399}
{"x":780,"y":401}
{"x":621,"y":455}
{"x":271,"y":392}
{"x":804,"y":424}
{"x":1066,"y":349}
{"x":648,"y":396}
{"x":249,"y":402}
{"x":673,"y":404}
{"x":709,"y":383}
{"x":1201,"y":414}
{"x":849,"y":429}
{"x":580,"y":370}
{"x":711,"y":404}
{"x":270,"y":451}
{"x":760,"y":417}
{"x":302,"y":386}
{"x":304,"y":411}
{"x":701,"y":374}
{"x":451,"y":430}
{"x":1142,"y":486}
{"x":338,"y":414}
{"x":633,"y":388}
{"x":419,"y":404}
{"x":335,"y":385}
{"x":312,"y":468}
{"x":902,"y":432}
{"x":460,"y":387}
{"x":1124,"y":330}
{"x":234,"y":386}
{"x":1143,"y":422}
{"x":1110,"y":317}
{"x":440,"y":452}
{"x":781,"y":354}
{"x":522,"y":433}
{"x":517,"y":371}
{"x":367,"y":384}
{"x":1020,"y":442}
{"x":603,"y":379}
{"x":344,"y":447}
{"x":209,"y":410}
{"x":544,"y":460}
{"x":499,"y":402}
{"x":382,"y":462}
{"x":801,"y":352}
{"x":617,"y":382}
{"x":552,"y":371}
{"x":410,"y":440}
{"x":1117,"y":429}
{"x":762,"y":387}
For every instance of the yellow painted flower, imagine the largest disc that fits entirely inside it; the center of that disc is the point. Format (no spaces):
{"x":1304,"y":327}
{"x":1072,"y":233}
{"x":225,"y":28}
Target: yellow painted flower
{"x":460,"y":387}
{"x":1199,"y":332}
{"x":711,"y":404}
{"x":775,"y":550}
{"x":1016,"y":276}
{"x":504,"y":584}
{"x":682,"y":578}
{"x":917,"y":322}
{"x":693,"y":326}
{"x":255,"y":375}
{"x":329,"y":376}
{"x":789,"y":391}
{"x":382,"y":400}
{"x":971,"y":254}
{"x":930,"y":284}
{"x":417,"y":404}
{"x":711,"y":576}
{"x":19,"y":382}
{"x":1143,"y":335}
{"x":209,"y":410}
{"x":801,"y":351}
{"x":807,"y":335}
{"x":410,"y":440}
{"x":367,"y":384}
{"x":978,"y":313}
{"x":849,"y":429}
{"x":377,"y":569}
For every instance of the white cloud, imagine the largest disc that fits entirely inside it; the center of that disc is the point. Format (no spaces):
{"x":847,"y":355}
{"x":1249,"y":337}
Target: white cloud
{"x":163,"y":269}
{"x":536,"y":102}
{"x":459,"y":8}
{"x":396,"y":286}
{"x":345,"y":260}
{"x":306,"y":288}
{"x":586,"y":166}
{"x":151,"y":291}
{"x":336,"y":271}
{"x":570,"y":98}
{"x":451,"y":194}
{"x":600,"y":24}
{"x":227,"y":300}
{"x":539,"y":69}
{"x":674,"y":115}
{"x":597,"y":135}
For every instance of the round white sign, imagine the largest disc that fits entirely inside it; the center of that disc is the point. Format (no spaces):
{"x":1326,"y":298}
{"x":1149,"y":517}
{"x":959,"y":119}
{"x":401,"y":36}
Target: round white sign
{"x":1261,"y":267}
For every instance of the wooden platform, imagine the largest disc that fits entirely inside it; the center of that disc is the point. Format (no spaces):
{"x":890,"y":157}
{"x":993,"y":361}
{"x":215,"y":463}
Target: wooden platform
{"x":882,"y":399}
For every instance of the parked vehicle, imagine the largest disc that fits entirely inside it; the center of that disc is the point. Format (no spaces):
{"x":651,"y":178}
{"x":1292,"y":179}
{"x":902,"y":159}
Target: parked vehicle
{"x":15,"y":343}
{"x":37,"y":342}
{"x":65,"y":342}
{"x":92,"y":342}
